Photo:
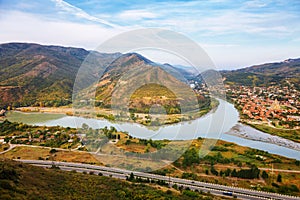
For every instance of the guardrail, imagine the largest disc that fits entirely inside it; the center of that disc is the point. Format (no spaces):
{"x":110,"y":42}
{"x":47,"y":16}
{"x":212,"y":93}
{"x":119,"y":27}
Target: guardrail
{"x":186,"y":182}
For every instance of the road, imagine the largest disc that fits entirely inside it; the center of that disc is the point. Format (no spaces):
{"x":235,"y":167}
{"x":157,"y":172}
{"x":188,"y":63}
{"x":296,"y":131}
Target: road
{"x":12,"y":146}
{"x":215,"y":189}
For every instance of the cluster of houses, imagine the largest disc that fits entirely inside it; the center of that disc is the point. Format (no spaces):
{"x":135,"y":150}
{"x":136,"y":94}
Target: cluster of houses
{"x":267,"y":103}
{"x":42,"y":137}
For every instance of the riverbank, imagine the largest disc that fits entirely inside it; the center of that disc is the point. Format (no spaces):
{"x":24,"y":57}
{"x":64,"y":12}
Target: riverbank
{"x":108,"y":114}
{"x":134,"y":155}
{"x":290,"y":134}
{"x":247,"y":132}
{"x":267,"y":127}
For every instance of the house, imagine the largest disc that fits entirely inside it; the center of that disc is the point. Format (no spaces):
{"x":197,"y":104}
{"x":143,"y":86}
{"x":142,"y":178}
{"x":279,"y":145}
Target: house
{"x":2,"y":112}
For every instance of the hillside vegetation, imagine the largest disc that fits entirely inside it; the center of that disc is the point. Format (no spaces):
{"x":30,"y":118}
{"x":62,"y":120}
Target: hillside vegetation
{"x":33,"y":74}
{"x":22,"y":181}
{"x":135,"y":81}
{"x":265,"y":74}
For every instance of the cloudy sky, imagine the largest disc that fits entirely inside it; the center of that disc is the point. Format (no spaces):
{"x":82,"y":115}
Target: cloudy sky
{"x":234,"y":33}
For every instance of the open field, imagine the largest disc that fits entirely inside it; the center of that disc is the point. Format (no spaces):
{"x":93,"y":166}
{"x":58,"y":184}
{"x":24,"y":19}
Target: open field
{"x":36,"y":153}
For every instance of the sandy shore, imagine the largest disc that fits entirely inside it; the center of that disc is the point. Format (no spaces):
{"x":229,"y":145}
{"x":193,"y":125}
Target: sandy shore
{"x":248,"y":132}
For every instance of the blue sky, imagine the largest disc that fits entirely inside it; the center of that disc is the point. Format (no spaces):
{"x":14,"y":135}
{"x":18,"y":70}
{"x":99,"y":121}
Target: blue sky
{"x":234,"y":33}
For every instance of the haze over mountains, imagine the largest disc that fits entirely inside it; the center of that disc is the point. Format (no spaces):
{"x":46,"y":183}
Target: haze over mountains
{"x":33,"y":74}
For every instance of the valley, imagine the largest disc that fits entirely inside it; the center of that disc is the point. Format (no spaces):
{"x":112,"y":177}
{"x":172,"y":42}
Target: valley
{"x":132,"y":113}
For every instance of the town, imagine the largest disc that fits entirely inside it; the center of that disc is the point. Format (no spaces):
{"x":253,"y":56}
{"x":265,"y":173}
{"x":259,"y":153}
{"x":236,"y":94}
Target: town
{"x":276,"y":105}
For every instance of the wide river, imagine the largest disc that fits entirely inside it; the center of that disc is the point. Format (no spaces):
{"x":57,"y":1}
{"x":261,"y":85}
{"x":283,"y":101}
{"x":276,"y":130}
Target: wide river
{"x":220,"y":124}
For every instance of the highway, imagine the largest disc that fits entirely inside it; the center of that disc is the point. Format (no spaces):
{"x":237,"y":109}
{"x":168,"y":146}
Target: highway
{"x":215,"y":189}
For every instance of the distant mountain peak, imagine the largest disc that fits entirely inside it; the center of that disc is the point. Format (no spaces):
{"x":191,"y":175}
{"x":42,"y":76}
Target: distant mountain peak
{"x":290,"y":60}
{"x":138,"y":57}
{"x":268,"y":73}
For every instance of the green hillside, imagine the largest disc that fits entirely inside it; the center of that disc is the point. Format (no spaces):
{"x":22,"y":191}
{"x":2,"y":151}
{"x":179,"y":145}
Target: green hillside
{"x":39,"y":75}
{"x":21,"y":181}
{"x":265,"y":74}
{"x":139,"y":83}
{"x":33,"y":74}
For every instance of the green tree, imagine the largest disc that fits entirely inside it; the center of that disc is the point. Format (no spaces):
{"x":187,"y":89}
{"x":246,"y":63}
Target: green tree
{"x":264,"y":175}
{"x":279,"y":178}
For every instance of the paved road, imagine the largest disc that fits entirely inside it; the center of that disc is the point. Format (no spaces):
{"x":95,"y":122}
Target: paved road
{"x":12,"y":146}
{"x":216,"y":189}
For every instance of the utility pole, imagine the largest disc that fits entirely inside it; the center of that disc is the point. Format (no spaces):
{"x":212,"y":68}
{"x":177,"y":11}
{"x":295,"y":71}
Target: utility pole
{"x":169,"y":177}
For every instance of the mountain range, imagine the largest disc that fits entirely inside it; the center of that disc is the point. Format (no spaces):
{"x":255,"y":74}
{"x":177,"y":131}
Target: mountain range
{"x":33,"y":74}
{"x":40,"y":75}
{"x":265,"y":74}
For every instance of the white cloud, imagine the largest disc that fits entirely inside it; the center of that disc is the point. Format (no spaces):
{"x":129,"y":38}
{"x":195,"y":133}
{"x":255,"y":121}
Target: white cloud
{"x":81,"y":14}
{"x":203,"y":21}
{"x":137,"y":15}
{"x":36,"y":29}
{"x":246,"y":55}
{"x":255,"y":4}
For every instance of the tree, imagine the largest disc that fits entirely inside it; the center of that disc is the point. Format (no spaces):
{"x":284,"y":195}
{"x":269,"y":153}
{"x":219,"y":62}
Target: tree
{"x":84,"y":126}
{"x":264,"y":175}
{"x":131,"y":177}
{"x":234,"y":173}
{"x":279,"y":178}
{"x":6,"y":139}
{"x":52,"y":151}
{"x":190,"y":157}
{"x":214,"y":171}
{"x":227,"y":172}
{"x":127,"y":142}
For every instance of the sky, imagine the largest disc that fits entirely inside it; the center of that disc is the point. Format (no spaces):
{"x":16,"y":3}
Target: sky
{"x":234,"y":33}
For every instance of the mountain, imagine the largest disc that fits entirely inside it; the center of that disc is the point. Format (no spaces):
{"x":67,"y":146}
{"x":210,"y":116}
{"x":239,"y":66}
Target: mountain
{"x":40,"y":75}
{"x":265,"y":74}
{"x":188,"y":72}
{"x":140,"y":83}
{"x":33,"y":74}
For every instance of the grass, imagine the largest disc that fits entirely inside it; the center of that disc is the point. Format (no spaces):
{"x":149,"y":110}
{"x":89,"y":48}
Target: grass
{"x":3,"y":147}
{"x":36,"y":153}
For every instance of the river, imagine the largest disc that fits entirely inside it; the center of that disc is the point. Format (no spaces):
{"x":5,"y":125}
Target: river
{"x":220,"y":124}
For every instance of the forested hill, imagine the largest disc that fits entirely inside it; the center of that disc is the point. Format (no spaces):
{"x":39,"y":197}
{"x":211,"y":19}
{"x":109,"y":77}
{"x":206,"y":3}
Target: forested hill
{"x":265,"y":74}
{"x":33,"y":74}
